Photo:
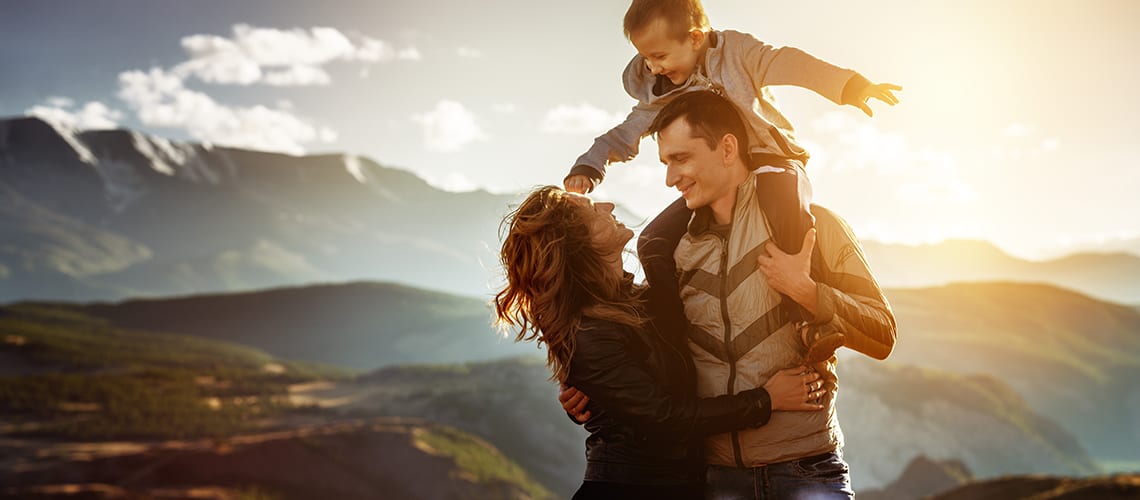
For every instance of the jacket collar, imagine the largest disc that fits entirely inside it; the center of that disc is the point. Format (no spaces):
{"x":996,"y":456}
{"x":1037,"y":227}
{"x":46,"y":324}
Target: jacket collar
{"x":703,"y":220}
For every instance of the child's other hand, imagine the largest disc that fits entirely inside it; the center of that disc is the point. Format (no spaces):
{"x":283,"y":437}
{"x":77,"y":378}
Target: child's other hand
{"x":880,"y":91}
{"x":579,"y":184}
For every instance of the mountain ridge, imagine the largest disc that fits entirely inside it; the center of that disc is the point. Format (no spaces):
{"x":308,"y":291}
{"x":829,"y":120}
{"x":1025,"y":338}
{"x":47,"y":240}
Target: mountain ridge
{"x":193,"y":217}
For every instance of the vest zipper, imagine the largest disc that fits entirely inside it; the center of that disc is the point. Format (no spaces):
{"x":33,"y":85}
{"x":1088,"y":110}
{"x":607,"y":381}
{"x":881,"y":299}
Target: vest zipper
{"x":736,"y":453}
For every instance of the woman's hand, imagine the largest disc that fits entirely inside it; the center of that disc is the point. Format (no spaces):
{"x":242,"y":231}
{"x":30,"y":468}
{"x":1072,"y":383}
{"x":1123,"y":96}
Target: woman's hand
{"x":574,"y":402}
{"x":795,"y":389}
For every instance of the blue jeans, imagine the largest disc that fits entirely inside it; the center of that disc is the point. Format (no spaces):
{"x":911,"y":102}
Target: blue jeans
{"x":823,"y":476}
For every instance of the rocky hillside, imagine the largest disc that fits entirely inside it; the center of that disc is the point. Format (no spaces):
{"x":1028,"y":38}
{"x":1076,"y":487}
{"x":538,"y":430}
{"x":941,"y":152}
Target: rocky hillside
{"x":379,"y":458}
{"x":1073,"y":358}
{"x":890,"y":414}
{"x":358,"y":325}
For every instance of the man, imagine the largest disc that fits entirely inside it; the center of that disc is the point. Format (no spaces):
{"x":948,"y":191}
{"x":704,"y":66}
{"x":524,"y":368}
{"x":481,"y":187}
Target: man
{"x":718,"y":290}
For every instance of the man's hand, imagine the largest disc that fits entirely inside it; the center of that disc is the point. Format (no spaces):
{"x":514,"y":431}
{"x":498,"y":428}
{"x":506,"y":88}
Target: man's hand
{"x":579,"y":184}
{"x":574,"y":402}
{"x":880,"y":91}
{"x":791,"y":274}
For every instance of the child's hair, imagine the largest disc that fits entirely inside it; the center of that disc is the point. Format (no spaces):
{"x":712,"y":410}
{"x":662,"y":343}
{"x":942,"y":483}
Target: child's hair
{"x":681,"y":16}
{"x":709,"y":116}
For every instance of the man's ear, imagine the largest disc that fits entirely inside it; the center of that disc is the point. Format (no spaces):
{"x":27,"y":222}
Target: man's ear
{"x":697,"y":37}
{"x":728,"y":148}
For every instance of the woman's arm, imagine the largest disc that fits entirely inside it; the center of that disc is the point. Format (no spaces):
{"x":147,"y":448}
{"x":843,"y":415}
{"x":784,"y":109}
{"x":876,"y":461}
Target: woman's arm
{"x":604,"y":369}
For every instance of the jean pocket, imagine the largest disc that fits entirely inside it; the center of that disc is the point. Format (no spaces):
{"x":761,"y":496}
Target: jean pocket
{"x":825,"y":466}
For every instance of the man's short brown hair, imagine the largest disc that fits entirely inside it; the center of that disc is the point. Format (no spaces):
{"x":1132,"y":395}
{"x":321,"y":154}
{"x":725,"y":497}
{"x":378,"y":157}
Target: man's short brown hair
{"x":710,"y":117}
{"x":681,"y":16}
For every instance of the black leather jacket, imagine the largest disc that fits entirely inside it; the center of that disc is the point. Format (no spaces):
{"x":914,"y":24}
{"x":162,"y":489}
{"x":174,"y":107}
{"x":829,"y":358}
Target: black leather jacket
{"x":647,"y":423}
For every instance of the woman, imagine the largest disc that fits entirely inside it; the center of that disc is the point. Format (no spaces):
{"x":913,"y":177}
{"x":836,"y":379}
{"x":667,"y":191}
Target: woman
{"x":566,"y":288}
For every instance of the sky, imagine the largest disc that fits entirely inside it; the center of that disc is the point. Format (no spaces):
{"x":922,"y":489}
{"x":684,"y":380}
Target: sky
{"x":1017,"y":122}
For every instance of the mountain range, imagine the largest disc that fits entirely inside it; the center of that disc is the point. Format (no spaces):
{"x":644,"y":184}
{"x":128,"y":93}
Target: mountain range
{"x":1108,"y":276}
{"x":1070,"y":356}
{"x":1075,"y":359}
{"x":184,"y":273}
{"x":361,"y":325}
{"x":962,"y":359}
{"x":114,"y":214}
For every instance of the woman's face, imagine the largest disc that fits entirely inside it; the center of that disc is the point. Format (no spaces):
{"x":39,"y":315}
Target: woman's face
{"x":608,"y":235}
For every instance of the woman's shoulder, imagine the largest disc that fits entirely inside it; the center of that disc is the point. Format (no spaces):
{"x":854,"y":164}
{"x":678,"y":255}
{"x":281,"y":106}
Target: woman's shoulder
{"x":600,"y":334}
{"x":599,"y":327}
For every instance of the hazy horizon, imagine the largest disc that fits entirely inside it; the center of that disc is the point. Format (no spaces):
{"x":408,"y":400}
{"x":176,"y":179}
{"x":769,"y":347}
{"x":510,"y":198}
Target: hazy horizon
{"x":996,"y":134}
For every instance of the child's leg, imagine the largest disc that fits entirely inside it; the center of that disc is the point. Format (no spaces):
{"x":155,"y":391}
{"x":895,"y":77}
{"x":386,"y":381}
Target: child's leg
{"x":785,"y":197}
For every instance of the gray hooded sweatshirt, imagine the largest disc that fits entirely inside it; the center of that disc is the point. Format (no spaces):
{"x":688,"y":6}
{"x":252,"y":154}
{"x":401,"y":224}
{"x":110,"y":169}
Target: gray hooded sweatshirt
{"x":739,"y":67}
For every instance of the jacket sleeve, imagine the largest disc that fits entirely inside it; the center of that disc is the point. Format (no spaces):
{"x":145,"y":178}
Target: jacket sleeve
{"x":655,"y":248}
{"x":790,"y":66}
{"x":604,"y":368}
{"x":618,"y":145}
{"x":849,"y":298}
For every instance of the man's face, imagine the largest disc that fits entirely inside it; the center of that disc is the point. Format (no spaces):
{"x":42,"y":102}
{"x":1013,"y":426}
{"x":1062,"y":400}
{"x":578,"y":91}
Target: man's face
{"x":666,"y":55}
{"x":702,"y":175}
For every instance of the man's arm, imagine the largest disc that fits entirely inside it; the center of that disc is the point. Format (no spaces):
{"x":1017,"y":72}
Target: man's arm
{"x":846,"y":297}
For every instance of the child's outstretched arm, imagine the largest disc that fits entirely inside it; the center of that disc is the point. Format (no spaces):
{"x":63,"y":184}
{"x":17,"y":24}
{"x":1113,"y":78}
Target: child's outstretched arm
{"x":617,"y":145}
{"x":770,"y":65}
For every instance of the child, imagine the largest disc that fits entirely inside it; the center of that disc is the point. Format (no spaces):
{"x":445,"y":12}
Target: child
{"x":677,"y":52}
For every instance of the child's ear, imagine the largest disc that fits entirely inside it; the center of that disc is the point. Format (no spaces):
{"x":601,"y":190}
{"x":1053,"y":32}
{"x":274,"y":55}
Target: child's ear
{"x":697,"y":37}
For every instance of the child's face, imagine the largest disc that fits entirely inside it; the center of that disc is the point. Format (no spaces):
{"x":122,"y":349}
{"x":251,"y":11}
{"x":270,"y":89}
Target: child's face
{"x":665,"y":55}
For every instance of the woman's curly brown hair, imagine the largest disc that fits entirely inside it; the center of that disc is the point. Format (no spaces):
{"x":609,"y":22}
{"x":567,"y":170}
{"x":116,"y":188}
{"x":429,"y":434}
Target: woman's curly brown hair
{"x":555,"y":277}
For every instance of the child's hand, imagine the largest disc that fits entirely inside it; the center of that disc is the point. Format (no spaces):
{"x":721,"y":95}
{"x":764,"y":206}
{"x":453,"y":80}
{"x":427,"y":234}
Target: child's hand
{"x":579,"y":184}
{"x":880,"y":91}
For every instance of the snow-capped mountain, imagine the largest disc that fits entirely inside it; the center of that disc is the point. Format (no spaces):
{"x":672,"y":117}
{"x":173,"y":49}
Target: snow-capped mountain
{"x":115,"y":213}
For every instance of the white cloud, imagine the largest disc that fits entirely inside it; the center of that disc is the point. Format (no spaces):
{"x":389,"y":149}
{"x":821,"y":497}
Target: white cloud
{"x":409,"y":54}
{"x":92,"y":116}
{"x":505,"y":108}
{"x":160,"y":99}
{"x":855,"y":149}
{"x":298,"y":75}
{"x":579,"y":120}
{"x":60,"y":102}
{"x":455,"y":182}
{"x":280,"y":57}
{"x":857,"y":145}
{"x":449,"y":127}
{"x":469,"y":52}
{"x":1018,"y":130}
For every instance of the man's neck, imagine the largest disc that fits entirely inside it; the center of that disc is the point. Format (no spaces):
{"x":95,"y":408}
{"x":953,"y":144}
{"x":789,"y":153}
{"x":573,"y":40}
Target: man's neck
{"x":722,"y":207}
